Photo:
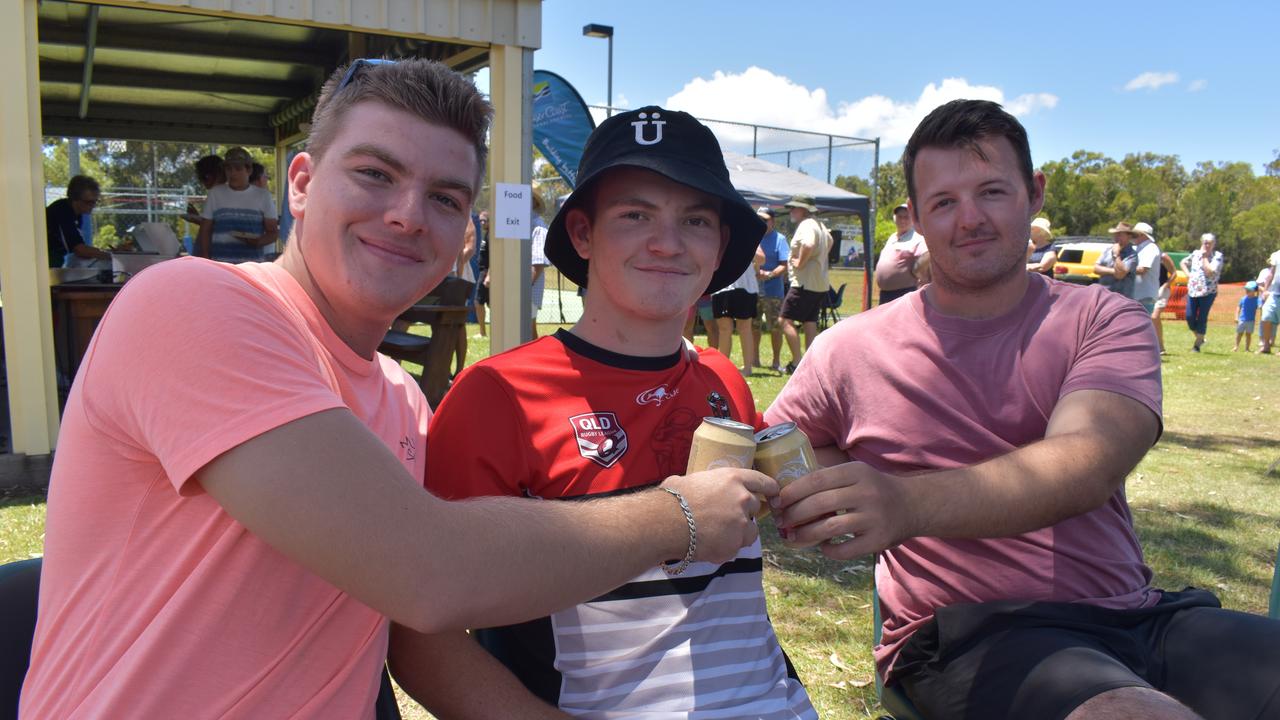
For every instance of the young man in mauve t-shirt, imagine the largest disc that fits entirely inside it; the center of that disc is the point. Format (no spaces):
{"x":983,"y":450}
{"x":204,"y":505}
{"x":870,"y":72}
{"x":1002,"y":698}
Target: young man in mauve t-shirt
{"x":610,"y":407}
{"x":986,"y":465}
{"x":236,"y":506}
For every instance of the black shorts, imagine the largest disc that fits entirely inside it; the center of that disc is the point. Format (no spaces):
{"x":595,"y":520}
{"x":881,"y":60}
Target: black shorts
{"x":482,"y":294}
{"x":887,"y":296}
{"x":802,"y":305}
{"x":1042,"y":660}
{"x":737,"y":304}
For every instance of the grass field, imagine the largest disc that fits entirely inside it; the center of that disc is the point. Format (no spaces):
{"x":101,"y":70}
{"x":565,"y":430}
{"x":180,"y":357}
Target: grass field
{"x":1206,"y":509}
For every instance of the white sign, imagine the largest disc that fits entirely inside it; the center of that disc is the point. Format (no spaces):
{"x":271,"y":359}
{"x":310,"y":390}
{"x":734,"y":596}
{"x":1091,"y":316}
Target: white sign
{"x":513,"y":208}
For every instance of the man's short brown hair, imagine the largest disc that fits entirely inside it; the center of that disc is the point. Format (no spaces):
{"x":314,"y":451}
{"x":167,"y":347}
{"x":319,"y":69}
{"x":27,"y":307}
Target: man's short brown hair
{"x":423,"y":88}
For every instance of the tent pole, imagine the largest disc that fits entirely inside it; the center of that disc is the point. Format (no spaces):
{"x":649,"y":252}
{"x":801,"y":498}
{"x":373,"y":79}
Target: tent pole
{"x":869,"y":226}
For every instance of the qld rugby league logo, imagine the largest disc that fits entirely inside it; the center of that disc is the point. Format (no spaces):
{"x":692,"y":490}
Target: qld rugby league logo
{"x":600,"y":438}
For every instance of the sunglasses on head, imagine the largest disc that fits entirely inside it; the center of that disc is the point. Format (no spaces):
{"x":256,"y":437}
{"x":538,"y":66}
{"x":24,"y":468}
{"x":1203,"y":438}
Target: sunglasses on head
{"x":356,"y":66}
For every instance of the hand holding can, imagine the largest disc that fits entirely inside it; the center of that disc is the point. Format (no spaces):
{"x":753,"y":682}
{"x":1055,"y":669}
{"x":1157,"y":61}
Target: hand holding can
{"x":783,"y":452}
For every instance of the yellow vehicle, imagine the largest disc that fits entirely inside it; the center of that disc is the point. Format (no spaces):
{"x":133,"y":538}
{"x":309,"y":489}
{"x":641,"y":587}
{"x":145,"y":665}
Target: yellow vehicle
{"x":1076,"y":260}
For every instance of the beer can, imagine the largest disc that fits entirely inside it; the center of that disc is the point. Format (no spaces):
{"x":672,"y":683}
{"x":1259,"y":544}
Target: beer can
{"x":721,"y":442}
{"x":783,"y":453}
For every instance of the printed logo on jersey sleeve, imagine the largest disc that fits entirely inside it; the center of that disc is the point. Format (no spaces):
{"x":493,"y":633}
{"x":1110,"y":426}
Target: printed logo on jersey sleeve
{"x":657,"y":396}
{"x":601,"y":438}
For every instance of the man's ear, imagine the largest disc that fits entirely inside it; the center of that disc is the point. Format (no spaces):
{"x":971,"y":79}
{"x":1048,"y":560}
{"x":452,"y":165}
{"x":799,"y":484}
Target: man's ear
{"x":300,"y":172}
{"x":578,"y":226}
{"x":1037,"y":197}
{"x":915,"y":217}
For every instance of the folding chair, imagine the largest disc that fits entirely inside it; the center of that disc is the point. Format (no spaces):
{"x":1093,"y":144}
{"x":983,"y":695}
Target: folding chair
{"x":19,"y":596}
{"x":829,"y":313}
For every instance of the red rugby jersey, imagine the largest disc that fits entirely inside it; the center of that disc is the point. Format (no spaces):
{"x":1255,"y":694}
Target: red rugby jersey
{"x":559,"y":417}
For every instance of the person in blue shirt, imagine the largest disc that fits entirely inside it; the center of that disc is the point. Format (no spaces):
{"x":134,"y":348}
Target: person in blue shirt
{"x":1245,"y":315}
{"x":773,"y":286}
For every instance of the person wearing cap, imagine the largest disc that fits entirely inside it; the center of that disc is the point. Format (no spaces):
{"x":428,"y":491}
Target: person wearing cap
{"x":977,"y":435}
{"x":1246,"y":313}
{"x":773,"y":286}
{"x":239,"y":219}
{"x":897,"y":270}
{"x":237,"y":508}
{"x":1203,"y":268}
{"x":1040,"y":254}
{"x":606,"y":407}
{"x":1116,"y":264}
{"x":807,"y":274}
{"x":1146,"y":283}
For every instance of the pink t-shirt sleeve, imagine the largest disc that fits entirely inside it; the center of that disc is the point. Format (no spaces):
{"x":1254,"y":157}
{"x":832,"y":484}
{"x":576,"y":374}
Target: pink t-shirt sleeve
{"x":807,"y":401}
{"x":193,"y":359}
{"x":1117,"y":353}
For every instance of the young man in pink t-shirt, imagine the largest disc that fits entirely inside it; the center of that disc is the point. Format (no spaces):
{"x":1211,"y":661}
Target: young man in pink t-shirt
{"x":236,"y":507}
{"x":986,"y":462}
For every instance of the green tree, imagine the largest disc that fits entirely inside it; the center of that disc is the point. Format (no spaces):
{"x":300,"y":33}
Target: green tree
{"x":1257,"y":235}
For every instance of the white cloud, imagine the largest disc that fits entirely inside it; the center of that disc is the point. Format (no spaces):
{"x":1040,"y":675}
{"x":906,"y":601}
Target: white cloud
{"x":1151,"y":81}
{"x":1197,"y":85}
{"x":759,"y":96}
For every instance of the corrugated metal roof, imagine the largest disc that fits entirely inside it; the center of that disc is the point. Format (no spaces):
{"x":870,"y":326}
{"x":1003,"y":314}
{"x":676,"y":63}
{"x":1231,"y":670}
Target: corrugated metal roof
{"x":240,"y":71}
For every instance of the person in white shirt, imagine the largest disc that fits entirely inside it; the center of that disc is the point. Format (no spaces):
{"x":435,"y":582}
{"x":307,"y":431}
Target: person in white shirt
{"x":240,"y":219}
{"x":897,"y":270}
{"x":737,"y":305}
{"x":1146,"y":286}
{"x":1203,"y":268}
{"x":1269,"y":281}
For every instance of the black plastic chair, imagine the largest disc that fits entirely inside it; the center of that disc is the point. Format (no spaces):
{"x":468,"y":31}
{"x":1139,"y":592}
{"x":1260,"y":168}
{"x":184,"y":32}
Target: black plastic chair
{"x":19,"y":602}
{"x":829,"y":312}
{"x":19,"y":598}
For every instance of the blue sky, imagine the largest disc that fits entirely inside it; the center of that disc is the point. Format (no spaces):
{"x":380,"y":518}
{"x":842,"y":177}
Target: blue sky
{"x":1198,"y":80}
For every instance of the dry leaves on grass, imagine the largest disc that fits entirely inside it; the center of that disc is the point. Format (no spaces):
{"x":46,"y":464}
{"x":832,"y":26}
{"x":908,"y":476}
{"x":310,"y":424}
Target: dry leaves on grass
{"x":834,"y":659}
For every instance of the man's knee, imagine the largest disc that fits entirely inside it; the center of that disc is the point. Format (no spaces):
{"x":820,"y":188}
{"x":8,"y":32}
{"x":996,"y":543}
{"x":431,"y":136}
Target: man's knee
{"x":1132,"y":703}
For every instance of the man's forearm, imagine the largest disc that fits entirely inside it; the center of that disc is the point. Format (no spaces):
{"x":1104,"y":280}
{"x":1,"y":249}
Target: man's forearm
{"x":303,"y":488}
{"x":1093,"y":440}
{"x":1045,"y":481}
{"x":202,"y":244}
{"x":454,"y":678}
{"x":267,"y":238}
{"x":803,"y":254}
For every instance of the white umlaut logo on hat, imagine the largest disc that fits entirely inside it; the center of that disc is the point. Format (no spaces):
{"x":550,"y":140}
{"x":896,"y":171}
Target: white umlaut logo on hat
{"x":639,"y":126}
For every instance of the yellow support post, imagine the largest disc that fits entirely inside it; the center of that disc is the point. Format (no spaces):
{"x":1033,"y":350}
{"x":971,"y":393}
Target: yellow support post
{"x":24,"y":273}
{"x":510,"y":161}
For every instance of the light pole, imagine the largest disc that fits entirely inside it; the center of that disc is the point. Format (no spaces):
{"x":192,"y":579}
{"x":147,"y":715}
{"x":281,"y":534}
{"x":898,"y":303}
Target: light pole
{"x":603,"y":31}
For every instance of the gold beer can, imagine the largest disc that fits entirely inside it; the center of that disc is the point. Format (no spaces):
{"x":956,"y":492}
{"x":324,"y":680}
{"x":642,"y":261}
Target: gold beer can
{"x":783,"y":453}
{"x":721,"y":442}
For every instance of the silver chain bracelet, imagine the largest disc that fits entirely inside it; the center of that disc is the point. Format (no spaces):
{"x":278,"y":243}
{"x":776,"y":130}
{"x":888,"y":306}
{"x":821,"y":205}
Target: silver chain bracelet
{"x":683,"y":565}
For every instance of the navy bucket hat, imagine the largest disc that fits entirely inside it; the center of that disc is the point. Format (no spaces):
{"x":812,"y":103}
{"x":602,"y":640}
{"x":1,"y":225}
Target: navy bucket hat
{"x":678,"y":147}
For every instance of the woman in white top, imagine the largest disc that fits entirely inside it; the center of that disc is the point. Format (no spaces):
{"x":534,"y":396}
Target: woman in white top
{"x":1203,"y":268}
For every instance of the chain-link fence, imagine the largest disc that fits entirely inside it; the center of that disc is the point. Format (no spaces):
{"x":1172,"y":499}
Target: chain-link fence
{"x":120,"y":209}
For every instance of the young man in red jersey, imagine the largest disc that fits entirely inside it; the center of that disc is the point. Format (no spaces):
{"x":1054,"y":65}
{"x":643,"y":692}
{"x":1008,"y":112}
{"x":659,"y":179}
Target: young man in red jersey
{"x":609,"y":407}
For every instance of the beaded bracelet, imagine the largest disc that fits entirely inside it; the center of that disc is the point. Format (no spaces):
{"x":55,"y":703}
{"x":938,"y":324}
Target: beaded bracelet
{"x":693,"y":538}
